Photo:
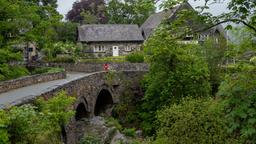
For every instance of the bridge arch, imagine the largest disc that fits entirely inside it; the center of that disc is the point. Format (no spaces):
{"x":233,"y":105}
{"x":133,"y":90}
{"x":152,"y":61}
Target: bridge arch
{"x":103,"y":103}
{"x":82,"y":110}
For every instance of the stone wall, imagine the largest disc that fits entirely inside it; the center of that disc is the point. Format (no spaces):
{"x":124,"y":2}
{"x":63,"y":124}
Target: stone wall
{"x":96,"y":67}
{"x":30,"y":80}
{"x":106,"y":48}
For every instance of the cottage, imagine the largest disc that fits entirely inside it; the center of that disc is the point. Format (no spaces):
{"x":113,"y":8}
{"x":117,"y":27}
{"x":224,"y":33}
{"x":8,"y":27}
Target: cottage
{"x":110,"y":39}
{"x":149,"y":26}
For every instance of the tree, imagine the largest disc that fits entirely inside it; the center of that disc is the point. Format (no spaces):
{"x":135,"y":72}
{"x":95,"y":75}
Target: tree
{"x":66,"y":32}
{"x":23,"y":21}
{"x":17,"y":18}
{"x":91,"y":11}
{"x":129,"y":11}
{"x":214,"y":55}
{"x":176,"y":71}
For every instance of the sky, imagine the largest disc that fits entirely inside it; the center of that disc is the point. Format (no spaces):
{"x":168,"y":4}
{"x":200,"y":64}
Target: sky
{"x":65,"y":5}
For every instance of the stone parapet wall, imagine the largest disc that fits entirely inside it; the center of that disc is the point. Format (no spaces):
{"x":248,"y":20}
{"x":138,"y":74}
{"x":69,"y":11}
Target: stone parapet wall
{"x":96,"y":67}
{"x":30,"y":80}
{"x":86,"y":90}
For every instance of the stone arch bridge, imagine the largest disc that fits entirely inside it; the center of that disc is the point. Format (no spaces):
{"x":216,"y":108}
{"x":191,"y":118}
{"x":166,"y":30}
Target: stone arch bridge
{"x":95,"y":93}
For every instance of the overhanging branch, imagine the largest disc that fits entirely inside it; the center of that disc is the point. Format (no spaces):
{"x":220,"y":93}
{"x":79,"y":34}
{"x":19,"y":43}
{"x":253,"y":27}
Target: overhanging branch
{"x":221,"y":22}
{"x":229,"y":20}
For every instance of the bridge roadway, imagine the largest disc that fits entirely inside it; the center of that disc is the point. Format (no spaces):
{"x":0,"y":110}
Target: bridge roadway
{"x":10,"y":98}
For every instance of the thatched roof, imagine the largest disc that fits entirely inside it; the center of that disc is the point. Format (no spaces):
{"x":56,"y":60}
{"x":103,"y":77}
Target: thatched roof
{"x":156,"y":19}
{"x":109,"y":33}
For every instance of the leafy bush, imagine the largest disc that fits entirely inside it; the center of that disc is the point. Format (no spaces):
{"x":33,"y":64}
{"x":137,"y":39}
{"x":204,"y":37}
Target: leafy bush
{"x":66,"y":48}
{"x":22,"y":124}
{"x":8,"y":56}
{"x":135,"y":57}
{"x":59,"y":106}
{"x":11,"y":72}
{"x":4,"y":122}
{"x":239,"y":91}
{"x":36,"y":124}
{"x":2,"y":78}
{"x":131,"y":132}
{"x":176,"y":71}
{"x":17,"y":71}
{"x":192,"y":121}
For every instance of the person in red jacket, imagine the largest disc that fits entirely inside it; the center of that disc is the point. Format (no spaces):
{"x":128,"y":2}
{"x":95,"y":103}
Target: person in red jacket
{"x":106,"y":66}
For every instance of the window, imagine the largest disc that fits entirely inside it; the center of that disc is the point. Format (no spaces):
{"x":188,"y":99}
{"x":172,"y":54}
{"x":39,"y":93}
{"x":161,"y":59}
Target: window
{"x":30,"y":49}
{"x":128,"y":48}
{"x":99,"y":48}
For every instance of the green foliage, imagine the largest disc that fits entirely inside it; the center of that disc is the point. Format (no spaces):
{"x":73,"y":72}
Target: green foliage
{"x":90,"y":139}
{"x":113,"y":122}
{"x":130,"y":132}
{"x":15,"y":15}
{"x":88,"y":18}
{"x":36,"y":124}
{"x":63,"y":59}
{"x":129,"y":12}
{"x":135,"y":57}
{"x":24,"y":21}
{"x":193,"y":121}
{"x":240,"y":10}
{"x":118,"y":59}
{"x":214,"y":55}
{"x":67,"y":32}
{"x":64,"y":49}
{"x":21,"y":120}
{"x":9,"y":56}
{"x":59,"y":106}
{"x":238,"y":90}
{"x":126,"y":111}
{"x":176,"y":71}
{"x":4,"y":122}
{"x":243,"y":47}
{"x":11,"y":72}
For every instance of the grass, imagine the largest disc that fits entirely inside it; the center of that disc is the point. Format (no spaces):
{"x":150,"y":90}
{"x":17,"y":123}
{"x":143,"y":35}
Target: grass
{"x":118,"y":59}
